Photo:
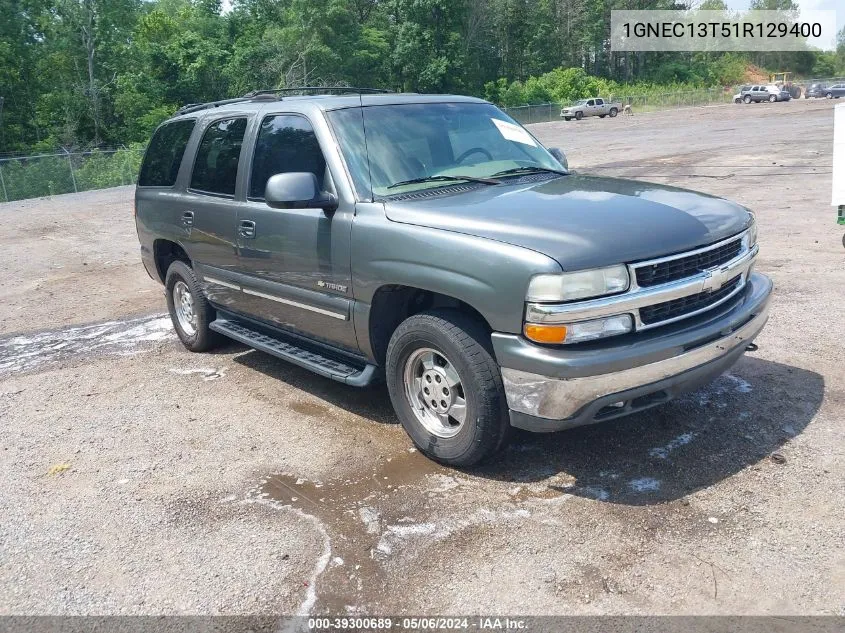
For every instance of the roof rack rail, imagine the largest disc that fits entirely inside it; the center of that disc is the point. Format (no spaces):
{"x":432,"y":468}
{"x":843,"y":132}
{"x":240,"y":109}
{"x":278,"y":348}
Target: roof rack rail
{"x":194,"y":107}
{"x":319,"y":90}
{"x":276,"y":93}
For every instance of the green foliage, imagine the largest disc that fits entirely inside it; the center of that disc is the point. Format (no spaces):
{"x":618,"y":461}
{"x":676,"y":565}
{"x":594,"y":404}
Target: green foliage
{"x":82,"y":74}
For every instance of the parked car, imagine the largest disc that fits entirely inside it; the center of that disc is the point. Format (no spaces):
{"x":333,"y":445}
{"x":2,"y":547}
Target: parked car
{"x":590,"y":107}
{"x":737,"y":98}
{"x":835,"y":91}
{"x":815,"y":90}
{"x":432,"y":242}
{"x":769,"y":93}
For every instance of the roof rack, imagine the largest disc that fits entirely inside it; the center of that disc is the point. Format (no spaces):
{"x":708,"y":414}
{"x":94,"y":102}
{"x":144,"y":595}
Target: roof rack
{"x":277,"y":93}
{"x":319,"y":90}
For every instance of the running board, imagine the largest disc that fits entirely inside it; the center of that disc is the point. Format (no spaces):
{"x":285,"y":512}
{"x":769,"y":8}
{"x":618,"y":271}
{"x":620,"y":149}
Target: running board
{"x":287,"y":350}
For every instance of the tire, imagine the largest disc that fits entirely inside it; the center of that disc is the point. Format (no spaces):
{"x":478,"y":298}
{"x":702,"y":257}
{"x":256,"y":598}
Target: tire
{"x":737,"y":100}
{"x":579,"y":116}
{"x":179,"y":280}
{"x":613,"y":112}
{"x":772,"y":98}
{"x":747,"y":99}
{"x":567,"y":118}
{"x":452,"y":345}
{"x":601,"y":116}
{"x":829,"y":95}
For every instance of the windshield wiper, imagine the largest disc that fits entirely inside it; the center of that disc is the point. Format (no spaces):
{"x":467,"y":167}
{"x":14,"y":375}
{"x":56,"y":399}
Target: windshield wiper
{"x":529,"y":170}
{"x":414,"y":181}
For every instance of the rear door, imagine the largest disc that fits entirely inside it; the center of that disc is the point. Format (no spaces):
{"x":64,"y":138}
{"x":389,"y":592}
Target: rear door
{"x":210,"y":203}
{"x":600,"y":108}
{"x":295,"y":263}
{"x":158,"y":205}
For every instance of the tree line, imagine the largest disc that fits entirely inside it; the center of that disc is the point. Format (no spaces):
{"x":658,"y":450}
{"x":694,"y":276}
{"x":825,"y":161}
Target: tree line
{"x":96,"y":73}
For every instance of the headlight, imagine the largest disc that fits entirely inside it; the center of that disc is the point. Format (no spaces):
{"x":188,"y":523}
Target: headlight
{"x":750,"y":238}
{"x":579,"y":285}
{"x":579,"y":332}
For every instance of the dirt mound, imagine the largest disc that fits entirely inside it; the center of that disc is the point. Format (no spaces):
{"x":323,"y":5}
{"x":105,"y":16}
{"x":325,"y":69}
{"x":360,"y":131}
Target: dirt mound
{"x":755,"y":74}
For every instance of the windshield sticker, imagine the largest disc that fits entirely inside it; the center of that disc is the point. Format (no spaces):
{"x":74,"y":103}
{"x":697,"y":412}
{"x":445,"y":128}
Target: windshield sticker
{"x":514,"y":133}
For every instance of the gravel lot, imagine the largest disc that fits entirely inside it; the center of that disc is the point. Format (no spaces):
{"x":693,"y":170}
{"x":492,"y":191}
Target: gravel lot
{"x":141,"y":479}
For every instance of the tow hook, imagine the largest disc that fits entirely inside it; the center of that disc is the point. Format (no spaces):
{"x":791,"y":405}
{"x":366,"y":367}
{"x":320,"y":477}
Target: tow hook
{"x":751,"y":347}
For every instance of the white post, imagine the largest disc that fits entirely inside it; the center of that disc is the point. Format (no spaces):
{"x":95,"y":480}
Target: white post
{"x":838,"y":187}
{"x":3,"y":182}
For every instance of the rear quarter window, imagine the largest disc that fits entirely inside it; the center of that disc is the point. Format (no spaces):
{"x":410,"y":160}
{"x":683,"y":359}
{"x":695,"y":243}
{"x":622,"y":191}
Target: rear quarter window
{"x":164,"y":154}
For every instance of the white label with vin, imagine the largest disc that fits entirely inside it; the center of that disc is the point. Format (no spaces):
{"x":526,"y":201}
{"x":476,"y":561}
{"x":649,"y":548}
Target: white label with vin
{"x":514,"y":133}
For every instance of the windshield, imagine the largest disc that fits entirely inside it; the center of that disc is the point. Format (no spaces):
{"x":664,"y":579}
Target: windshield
{"x":437,"y":141}
{"x":581,"y":102}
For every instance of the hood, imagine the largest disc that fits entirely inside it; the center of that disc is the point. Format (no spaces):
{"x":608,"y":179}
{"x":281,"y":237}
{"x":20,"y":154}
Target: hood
{"x":581,"y":221}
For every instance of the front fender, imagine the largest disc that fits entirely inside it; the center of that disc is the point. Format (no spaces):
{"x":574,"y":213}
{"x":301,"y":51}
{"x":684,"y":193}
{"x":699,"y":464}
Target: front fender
{"x":488,"y":275}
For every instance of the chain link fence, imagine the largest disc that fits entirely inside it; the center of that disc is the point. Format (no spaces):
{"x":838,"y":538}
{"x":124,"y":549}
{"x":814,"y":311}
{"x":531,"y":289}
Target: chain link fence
{"x":24,"y":177}
{"x":546,"y":112}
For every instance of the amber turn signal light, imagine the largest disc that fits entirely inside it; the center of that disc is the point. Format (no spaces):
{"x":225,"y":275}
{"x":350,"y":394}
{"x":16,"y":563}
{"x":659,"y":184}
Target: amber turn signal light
{"x":545,"y":333}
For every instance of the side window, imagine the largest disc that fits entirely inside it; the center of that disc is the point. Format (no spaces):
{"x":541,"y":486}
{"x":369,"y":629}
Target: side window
{"x":590,"y":102}
{"x":164,"y":154}
{"x":599,"y":101}
{"x":286,"y":143}
{"x":216,"y":165}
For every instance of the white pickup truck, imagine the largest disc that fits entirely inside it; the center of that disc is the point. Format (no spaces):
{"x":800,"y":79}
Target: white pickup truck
{"x":590,"y":107}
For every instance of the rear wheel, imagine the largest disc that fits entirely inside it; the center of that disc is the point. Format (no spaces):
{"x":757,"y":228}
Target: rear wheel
{"x":446,"y":387}
{"x":189,"y":309}
{"x":829,"y":95}
{"x":737,"y":100}
{"x":579,"y":116}
{"x":613,"y":112}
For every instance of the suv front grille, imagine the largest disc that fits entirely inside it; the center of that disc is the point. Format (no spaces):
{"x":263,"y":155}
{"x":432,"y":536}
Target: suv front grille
{"x":674,"y":269}
{"x":686,"y":305}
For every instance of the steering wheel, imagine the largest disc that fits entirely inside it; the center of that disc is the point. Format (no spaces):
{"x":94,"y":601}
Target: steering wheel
{"x":471,"y":151}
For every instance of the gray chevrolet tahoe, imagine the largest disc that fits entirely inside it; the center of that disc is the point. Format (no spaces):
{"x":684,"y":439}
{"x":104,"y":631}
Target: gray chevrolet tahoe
{"x":432,"y":242}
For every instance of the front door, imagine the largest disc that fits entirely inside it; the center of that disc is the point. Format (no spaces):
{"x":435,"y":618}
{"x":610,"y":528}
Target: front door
{"x":295,"y":263}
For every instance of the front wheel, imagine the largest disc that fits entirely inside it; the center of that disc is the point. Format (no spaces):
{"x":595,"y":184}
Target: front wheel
{"x":747,"y":99}
{"x":829,"y":95}
{"x":737,"y":100}
{"x":772,"y":99}
{"x":579,"y":116}
{"x":446,"y":387}
{"x":613,"y":112}
{"x":189,"y":309}
{"x":567,"y":118}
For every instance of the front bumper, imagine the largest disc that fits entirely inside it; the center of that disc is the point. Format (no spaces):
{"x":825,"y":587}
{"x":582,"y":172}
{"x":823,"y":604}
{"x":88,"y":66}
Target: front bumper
{"x":550,"y":389}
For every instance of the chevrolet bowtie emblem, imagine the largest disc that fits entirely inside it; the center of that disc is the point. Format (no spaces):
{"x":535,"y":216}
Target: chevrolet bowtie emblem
{"x":714,"y":280}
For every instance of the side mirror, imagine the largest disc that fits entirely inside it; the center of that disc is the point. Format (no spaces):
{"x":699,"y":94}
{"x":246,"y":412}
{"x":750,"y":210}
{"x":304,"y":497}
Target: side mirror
{"x":297,"y":190}
{"x":559,"y":156}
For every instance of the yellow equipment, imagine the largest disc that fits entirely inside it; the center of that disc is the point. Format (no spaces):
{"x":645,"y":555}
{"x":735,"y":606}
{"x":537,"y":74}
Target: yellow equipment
{"x":782,"y":81}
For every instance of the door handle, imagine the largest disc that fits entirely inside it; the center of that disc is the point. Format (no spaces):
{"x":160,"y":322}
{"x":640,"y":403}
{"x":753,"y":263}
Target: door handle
{"x":246,"y":229}
{"x":188,"y":219}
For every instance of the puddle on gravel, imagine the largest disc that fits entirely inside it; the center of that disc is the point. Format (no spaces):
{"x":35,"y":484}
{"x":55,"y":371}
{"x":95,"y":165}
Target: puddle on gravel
{"x":383,"y":512}
{"x":356,"y":511}
{"x":27,"y":351}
